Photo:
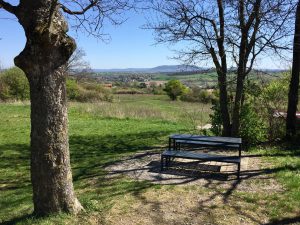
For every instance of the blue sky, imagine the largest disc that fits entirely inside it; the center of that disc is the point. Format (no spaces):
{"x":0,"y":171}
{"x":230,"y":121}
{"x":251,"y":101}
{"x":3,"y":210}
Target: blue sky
{"x":129,"y":47}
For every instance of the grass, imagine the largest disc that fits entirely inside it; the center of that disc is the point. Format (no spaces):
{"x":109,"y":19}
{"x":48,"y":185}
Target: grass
{"x":102,"y":133}
{"x":157,"y":107}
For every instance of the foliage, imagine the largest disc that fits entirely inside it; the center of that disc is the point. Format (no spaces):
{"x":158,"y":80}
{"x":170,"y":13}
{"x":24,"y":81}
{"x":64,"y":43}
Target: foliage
{"x":196,"y":94}
{"x":174,"y":89}
{"x":216,"y":120}
{"x":87,"y":92}
{"x":72,"y":89}
{"x":253,"y":127}
{"x":156,"y":90}
{"x":260,"y":120}
{"x":272,"y":99}
{"x":13,"y":85}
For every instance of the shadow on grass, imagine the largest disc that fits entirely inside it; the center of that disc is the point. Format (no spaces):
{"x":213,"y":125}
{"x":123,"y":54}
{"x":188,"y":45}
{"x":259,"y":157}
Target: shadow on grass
{"x":91,"y":154}
{"x":285,"y":221}
{"x":15,"y":162}
{"x":18,"y":219}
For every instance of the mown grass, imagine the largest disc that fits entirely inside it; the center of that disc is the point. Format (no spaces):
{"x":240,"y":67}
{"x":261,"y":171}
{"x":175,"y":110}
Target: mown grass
{"x":100,"y":136}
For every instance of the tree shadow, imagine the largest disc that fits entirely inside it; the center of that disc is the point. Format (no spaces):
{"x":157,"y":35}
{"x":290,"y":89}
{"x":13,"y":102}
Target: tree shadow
{"x":285,"y":221}
{"x":18,"y":219}
{"x":91,"y":154}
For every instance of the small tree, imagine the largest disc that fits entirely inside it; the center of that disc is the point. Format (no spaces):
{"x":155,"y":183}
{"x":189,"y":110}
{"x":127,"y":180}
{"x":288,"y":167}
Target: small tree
{"x":174,"y":89}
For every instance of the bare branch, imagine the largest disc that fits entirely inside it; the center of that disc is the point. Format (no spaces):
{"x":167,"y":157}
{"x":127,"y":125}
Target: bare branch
{"x":84,"y":9}
{"x":8,"y":7}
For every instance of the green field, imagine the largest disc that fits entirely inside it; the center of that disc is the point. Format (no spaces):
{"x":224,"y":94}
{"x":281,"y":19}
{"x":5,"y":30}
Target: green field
{"x":103,"y":133}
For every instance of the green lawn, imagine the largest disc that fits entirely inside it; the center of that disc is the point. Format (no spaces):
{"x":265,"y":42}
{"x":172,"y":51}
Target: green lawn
{"x":103,"y":133}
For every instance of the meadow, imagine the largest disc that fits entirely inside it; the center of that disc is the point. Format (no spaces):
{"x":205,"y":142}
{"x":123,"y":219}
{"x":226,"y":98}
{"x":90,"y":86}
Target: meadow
{"x":102,"y":134}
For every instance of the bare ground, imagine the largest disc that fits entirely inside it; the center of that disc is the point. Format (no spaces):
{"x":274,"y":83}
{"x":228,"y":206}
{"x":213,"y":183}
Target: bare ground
{"x":193,"y":193}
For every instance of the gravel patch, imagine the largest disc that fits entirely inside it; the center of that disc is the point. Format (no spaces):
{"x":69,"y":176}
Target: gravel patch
{"x":145,"y":166}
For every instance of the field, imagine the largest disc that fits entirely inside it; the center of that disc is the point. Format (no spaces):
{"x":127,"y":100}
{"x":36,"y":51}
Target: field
{"x":207,"y":79}
{"x":104,"y":134}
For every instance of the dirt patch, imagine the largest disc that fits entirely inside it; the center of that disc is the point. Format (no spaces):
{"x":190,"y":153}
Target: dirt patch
{"x":145,"y":166}
{"x":193,"y":193}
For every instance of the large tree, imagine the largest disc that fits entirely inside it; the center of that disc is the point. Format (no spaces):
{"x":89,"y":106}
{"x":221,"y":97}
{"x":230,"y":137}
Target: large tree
{"x":230,"y":34}
{"x":291,"y":119}
{"x":48,"y":48}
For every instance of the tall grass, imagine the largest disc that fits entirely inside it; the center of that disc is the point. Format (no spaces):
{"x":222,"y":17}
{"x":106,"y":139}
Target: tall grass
{"x":149,"y":107}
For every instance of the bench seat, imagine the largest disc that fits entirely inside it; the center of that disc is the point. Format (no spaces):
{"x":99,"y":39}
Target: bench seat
{"x":169,"y":154}
{"x":201,"y":156}
{"x":210,"y":144}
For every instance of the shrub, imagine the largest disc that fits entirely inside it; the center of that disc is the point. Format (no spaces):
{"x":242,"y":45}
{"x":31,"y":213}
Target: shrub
{"x":87,"y":92}
{"x":257,"y":120}
{"x":216,"y":120}
{"x":253,"y":127}
{"x":273,"y":97}
{"x":197,"y":94}
{"x":174,"y":89}
{"x":73,"y":89}
{"x":157,"y":90}
{"x":14,"y":85}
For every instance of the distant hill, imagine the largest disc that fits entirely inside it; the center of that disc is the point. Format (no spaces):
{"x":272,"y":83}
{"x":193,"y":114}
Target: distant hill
{"x":158,"y":69}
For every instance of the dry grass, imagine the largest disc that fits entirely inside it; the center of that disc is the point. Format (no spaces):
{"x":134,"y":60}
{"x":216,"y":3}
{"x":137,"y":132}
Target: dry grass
{"x":149,"y":107}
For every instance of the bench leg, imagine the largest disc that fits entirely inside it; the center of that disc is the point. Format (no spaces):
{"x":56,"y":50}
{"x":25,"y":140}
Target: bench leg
{"x":239,"y":170}
{"x":162,"y":163}
{"x":168,"y":160}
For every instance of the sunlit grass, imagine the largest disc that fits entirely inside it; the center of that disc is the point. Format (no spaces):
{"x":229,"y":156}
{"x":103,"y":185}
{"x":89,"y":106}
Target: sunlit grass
{"x":101,"y":134}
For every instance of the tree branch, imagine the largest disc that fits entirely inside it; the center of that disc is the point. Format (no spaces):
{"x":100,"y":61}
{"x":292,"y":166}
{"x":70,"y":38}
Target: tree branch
{"x":8,"y":7}
{"x":81,"y":12}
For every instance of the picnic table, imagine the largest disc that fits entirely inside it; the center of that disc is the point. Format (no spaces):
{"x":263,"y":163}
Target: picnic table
{"x":176,"y":141}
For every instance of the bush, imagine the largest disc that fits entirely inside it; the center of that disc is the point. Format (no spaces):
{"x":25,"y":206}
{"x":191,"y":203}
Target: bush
{"x":253,"y":127}
{"x":157,"y":90}
{"x":73,"y":89}
{"x":174,"y":89}
{"x":197,"y":94}
{"x":257,"y":120}
{"x":273,"y":97}
{"x":87,"y":92}
{"x":14,"y":85}
{"x":216,"y":120}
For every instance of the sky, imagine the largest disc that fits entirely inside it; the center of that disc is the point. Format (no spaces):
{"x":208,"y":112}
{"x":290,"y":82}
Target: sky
{"x":130,"y":46}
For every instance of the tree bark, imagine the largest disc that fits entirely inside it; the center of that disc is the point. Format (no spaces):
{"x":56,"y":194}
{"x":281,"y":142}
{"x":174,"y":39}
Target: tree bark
{"x":241,"y":72}
{"x":224,"y":106}
{"x":47,"y":49}
{"x":291,"y":119}
{"x":222,"y":74}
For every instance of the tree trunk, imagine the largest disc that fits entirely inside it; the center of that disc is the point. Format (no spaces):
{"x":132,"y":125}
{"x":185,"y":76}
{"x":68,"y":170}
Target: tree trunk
{"x":224,"y":106}
{"x":291,"y":119}
{"x":50,"y":160}
{"x":241,"y":73}
{"x":47,"y":49}
{"x":237,"y":105}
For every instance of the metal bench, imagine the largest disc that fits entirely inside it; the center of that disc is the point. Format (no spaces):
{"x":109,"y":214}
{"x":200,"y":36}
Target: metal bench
{"x":175,"y":149}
